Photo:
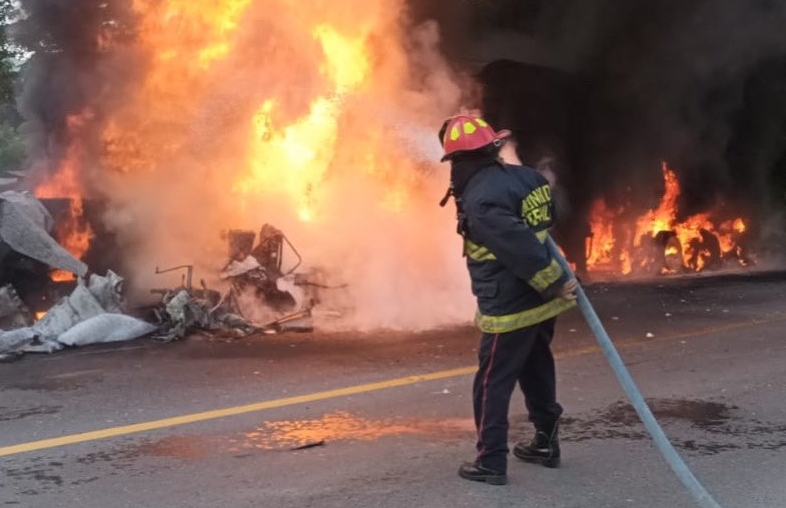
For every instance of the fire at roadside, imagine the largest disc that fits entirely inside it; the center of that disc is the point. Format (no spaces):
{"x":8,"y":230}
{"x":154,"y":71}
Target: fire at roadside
{"x":656,"y":242}
{"x":189,"y":117}
{"x":50,"y":300}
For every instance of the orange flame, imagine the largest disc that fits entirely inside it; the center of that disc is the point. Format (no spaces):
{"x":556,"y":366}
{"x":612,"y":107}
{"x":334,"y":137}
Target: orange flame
{"x":73,"y":232}
{"x":602,"y":241}
{"x":311,"y":116}
{"x":316,"y":75}
{"x":696,"y":239}
{"x":663,"y":217}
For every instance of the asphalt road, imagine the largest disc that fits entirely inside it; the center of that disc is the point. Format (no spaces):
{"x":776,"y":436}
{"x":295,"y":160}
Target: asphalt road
{"x":359,"y":420}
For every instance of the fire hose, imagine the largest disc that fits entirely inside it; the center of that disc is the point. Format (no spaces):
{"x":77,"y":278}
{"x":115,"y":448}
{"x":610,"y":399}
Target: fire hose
{"x":666,"y":449}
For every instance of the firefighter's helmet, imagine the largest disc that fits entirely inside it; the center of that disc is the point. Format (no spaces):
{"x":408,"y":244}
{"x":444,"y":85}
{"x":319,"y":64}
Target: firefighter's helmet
{"x":465,"y":133}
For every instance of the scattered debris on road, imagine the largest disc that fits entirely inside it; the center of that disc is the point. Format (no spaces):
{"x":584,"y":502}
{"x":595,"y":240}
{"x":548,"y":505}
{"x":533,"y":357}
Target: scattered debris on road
{"x":308,"y":445}
{"x":95,"y":310}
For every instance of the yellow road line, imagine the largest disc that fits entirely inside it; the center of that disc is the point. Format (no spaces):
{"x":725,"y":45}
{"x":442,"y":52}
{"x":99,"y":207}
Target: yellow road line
{"x":231,"y":411}
{"x":329,"y":394}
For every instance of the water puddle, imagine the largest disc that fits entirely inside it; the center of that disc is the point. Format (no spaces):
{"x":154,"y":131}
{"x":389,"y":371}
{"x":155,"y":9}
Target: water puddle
{"x":703,"y":427}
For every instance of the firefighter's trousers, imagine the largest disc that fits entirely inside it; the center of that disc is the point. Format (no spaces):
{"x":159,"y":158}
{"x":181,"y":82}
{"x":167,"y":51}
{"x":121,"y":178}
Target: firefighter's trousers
{"x":522,"y":356}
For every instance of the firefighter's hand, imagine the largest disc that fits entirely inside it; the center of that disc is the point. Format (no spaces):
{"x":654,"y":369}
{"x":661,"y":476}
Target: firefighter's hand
{"x":568,"y":290}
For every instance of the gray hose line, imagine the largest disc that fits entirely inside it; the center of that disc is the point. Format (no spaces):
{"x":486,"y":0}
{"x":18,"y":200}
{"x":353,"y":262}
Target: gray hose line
{"x":623,"y":376}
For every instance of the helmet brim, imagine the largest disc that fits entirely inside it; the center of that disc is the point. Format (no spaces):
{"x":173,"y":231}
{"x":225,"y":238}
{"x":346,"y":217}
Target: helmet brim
{"x":501,"y":135}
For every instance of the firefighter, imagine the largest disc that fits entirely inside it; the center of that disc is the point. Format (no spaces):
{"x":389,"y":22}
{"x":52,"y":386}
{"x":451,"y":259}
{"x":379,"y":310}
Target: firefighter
{"x":504,"y":215}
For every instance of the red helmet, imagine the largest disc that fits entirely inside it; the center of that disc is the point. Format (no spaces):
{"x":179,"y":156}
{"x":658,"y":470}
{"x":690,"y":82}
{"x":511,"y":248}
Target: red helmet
{"x":465,"y":133}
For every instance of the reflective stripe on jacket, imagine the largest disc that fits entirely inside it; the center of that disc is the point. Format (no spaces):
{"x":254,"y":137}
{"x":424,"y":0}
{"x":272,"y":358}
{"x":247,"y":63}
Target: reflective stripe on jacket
{"x":508,"y":211}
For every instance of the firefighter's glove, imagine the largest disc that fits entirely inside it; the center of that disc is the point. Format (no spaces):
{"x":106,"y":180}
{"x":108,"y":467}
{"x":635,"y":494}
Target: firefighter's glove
{"x":568,"y":290}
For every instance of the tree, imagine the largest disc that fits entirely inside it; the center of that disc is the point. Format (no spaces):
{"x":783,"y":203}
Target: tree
{"x":12,"y":149}
{"x":7,"y":74}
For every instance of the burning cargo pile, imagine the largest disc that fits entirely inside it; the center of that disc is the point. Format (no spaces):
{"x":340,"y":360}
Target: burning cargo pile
{"x":91,"y":313}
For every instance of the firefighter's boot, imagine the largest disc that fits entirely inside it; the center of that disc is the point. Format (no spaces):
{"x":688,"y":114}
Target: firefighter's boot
{"x":543,"y":449}
{"x":476,"y":472}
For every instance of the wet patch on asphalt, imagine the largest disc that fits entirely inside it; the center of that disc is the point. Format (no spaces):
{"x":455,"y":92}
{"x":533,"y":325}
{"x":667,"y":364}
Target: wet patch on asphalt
{"x":703,"y":427}
{"x":696,"y":426}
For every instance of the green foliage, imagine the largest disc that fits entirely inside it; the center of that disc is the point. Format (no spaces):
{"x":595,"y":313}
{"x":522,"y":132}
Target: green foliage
{"x":6,"y":81}
{"x":7,"y":74}
{"x":12,"y":149}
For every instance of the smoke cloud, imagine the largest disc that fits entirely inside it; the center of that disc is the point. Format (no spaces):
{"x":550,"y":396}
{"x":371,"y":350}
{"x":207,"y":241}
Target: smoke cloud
{"x":165,"y":146}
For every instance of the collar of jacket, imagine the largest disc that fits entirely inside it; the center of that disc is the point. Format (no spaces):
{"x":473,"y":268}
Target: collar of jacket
{"x":463,"y":168}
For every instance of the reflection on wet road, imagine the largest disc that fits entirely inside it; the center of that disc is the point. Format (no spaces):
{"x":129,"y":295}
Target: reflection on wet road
{"x":341,"y":426}
{"x":706,"y":427}
{"x":703,"y":427}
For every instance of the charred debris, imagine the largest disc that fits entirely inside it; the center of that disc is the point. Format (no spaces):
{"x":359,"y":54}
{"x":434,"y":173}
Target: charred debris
{"x":42,"y":311}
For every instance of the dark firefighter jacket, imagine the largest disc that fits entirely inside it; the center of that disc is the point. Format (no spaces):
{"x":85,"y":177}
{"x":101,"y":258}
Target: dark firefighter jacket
{"x":508,"y":211}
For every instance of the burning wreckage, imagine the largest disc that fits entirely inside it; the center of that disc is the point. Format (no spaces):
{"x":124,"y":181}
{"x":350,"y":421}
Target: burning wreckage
{"x":96,"y":311}
{"x":255,"y":274}
{"x":263,"y":295}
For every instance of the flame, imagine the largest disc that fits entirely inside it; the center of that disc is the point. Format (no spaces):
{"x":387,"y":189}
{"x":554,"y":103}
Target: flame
{"x":346,"y":58}
{"x":602,"y":241}
{"x":183,"y":40}
{"x":663,"y":217}
{"x":300,"y":153}
{"x":606,"y":247}
{"x":697,"y":240}
{"x":296,"y":157}
{"x":288,"y":148}
{"x":311,"y":116}
{"x":200,"y":31}
{"x":73,"y":231}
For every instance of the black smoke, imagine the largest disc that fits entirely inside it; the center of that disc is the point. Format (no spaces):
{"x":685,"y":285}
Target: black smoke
{"x":613,"y":87}
{"x":69,"y":83}
{"x":68,"y":74}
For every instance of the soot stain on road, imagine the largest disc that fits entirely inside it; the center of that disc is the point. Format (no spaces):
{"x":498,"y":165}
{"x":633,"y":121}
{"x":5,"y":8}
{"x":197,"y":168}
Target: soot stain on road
{"x":59,"y":383}
{"x":39,"y":476}
{"x":8,"y":414}
{"x":712,"y":427}
{"x":36,"y":478}
{"x":123,"y":458}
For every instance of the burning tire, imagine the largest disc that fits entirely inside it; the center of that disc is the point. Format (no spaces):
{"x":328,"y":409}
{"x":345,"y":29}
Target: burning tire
{"x":705,"y":252}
